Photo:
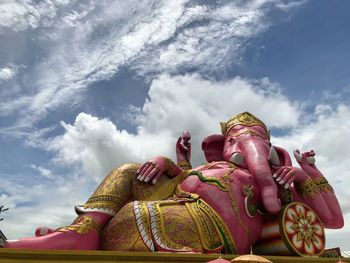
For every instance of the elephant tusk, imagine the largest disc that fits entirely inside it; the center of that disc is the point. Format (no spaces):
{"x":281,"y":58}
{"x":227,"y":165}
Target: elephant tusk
{"x":311,"y":160}
{"x":237,"y":158}
{"x":273,"y":156}
{"x":297,"y":155}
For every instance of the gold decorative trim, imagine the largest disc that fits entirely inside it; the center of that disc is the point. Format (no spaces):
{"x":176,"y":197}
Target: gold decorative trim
{"x":82,"y":225}
{"x":110,"y":202}
{"x":184,"y":165}
{"x":167,"y":188}
{"x":298,"y":223}
{"x":142,"y":222}
{"x":307,"y":188}
{"x":158,"y":228}
{"x":202,"y":226}
{"x":323,"y":185}
{"x":248,"y":190}
{"x":171,"y":166}
{"x":212,"y":180}
{"x":245,"y":118}
{"x":234,"y":206}
{"x":220,"y":226}
{"x":181,"y":194}
{"x":214,"y":165}
{"x":247,"y":131}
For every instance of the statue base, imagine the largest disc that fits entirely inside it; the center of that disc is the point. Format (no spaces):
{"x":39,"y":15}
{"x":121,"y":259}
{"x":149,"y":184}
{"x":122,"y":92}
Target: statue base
{"x":34,"y":256}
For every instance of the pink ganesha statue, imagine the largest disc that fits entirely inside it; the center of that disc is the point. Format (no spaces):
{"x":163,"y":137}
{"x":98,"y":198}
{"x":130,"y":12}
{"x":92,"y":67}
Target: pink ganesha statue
{"x":247,"y":196}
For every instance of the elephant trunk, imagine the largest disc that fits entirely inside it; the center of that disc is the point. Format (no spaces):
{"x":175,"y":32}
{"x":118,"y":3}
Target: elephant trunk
{"x":256,"y":152}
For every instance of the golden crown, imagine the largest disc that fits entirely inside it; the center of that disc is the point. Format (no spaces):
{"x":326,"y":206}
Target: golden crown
{"x":245,"y":118}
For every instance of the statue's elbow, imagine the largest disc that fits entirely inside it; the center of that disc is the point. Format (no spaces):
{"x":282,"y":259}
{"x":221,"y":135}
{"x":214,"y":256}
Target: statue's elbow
{"x":338,"y":222}
{"x":334,"y":222}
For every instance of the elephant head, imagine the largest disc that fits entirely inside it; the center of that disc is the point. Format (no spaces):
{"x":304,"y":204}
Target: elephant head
{"x":245,"y":141}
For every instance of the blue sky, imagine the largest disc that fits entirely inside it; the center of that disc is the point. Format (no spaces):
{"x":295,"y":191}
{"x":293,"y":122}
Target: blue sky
{"x":86,"y":86}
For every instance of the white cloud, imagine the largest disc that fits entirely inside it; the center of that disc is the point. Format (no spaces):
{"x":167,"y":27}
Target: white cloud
{"x":43,"y":171}
{"x":31,"y":206}
{"x":215,"y":41}
{"x":98,"y":146}
{"x":7,"y":73}
{"x":28,"y":14}
{"x":286,"y":6}
{"x":10,"y":106}
{"x":325,"y":134}
{"x":94,"y":39}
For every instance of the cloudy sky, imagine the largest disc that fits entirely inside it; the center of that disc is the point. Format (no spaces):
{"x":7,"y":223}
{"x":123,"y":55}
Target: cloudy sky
{"x":88,"y":85}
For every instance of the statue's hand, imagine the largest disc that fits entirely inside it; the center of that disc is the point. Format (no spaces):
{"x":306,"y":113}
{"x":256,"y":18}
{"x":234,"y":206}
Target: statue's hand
{"x":286,"y":175}
{"x":152,"y":170}
{"x":305,"y":158}
{"x":183,"y":147}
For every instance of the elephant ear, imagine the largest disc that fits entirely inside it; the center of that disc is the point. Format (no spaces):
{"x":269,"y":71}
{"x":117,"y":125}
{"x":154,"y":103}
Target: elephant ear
{"x":284,"y":157}
{"x":213,"y":146}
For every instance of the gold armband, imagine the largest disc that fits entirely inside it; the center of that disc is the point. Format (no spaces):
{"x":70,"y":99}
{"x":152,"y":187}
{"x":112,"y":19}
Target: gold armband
{"x":323,"y":184}
{"x":184,"y":165}
{"x":171,"y":166}
{"x":82,"y":225}
{"x":307,"y":188}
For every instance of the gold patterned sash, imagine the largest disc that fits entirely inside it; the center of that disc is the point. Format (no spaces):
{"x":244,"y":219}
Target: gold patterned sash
{"x":200,"y":211}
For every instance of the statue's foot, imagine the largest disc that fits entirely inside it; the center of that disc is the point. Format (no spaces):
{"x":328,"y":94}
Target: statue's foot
{"x":69,"y":240}
{"x":83,"y":234}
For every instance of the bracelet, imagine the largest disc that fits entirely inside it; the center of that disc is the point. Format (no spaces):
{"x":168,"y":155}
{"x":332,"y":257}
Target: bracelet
{"x":82,"y":225}
{"x":184,"y":165}
{"x":171,"y":166}
{"x":323,"y":185}
{"x":307,"y":188}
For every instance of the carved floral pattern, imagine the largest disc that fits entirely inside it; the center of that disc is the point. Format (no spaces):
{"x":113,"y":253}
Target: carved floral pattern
{"x":303,"y":230}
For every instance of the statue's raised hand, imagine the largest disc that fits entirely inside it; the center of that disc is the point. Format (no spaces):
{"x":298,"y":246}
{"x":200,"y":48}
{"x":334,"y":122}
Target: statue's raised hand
{"x":183,"y":148}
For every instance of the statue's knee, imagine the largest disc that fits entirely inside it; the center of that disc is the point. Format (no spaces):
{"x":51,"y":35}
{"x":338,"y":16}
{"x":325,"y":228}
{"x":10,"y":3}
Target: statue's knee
{"x":125,"y":170}
{"x":129,"y":167}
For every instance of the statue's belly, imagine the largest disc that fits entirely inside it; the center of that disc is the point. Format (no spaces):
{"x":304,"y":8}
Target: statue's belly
{"x":233,"y":196}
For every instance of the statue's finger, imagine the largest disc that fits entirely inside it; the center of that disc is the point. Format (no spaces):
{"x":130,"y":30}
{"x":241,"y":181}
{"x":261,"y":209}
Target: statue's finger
{"x":151,"y":174}
{"x":148,"y":171}
{"x":156,"y":178}
{"x":143,"y":172}
{"x":278,"y":172}
{"x":283,"y":174}
{"x":290,"y":180}
{"x":142,"y":177}
{"x":141,"y":168}
{"x":289,"y":176}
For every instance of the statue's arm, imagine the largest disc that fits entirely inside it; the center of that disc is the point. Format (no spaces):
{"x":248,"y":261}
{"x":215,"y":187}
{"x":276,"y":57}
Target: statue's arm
{"x":304,"y":189}
{"x":306,"y":161}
